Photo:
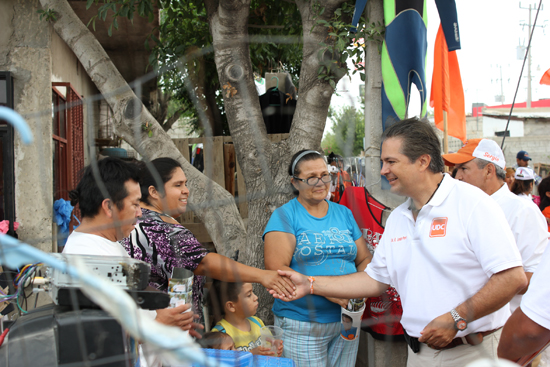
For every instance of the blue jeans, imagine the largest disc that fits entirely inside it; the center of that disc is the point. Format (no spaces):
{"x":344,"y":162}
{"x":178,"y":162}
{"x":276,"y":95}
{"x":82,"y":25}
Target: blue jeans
{"x":313,"y":344}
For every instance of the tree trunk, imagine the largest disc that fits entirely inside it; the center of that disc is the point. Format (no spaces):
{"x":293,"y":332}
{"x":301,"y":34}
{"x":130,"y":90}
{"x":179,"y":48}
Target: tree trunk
{"x":212,"y":204}
{"x":264,"y":164}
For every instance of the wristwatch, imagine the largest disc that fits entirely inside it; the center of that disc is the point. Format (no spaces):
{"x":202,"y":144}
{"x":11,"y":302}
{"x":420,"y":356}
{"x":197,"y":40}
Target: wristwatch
{"x":460,"y":323}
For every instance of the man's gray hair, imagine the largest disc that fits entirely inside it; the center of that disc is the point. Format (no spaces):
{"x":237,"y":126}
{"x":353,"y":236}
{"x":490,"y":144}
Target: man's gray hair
{"x":499,"y":171}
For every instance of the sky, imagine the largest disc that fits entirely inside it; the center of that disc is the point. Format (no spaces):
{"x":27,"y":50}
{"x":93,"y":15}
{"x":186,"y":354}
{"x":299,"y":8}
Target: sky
{"x":490,"y":32}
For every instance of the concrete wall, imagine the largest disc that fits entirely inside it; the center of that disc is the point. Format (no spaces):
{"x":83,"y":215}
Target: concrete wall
{"x":538,"y":148}
{"x":538,"y":127}
{"x":491,"y":125}
{"x":25,"y":51}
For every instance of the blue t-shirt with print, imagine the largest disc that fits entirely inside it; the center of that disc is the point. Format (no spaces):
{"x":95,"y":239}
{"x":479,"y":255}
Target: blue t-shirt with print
{"x":324,"y":246}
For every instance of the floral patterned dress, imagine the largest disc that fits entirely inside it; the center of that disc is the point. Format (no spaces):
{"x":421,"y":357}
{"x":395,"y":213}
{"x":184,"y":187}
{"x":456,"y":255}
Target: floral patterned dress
{"x":165,"y":246}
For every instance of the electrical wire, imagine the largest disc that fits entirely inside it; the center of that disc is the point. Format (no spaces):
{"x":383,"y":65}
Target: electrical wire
{"x":25,"y":275}
{"x":521,"y":73}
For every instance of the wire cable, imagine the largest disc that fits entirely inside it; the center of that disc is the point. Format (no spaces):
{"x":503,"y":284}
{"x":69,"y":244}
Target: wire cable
{"x":520,"y":74}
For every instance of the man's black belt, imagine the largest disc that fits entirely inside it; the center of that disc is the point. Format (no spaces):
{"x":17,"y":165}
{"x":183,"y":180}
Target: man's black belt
{"x":471,"y":339}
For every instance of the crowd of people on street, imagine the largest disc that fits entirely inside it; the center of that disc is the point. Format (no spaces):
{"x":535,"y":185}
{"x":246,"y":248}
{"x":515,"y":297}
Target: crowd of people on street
{"x":467,"y":253}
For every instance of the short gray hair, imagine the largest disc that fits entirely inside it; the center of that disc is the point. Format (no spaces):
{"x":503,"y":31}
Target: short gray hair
{"x":499,"y":171}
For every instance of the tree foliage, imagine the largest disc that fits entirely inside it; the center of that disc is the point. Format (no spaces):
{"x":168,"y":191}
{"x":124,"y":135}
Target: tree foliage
{"x":347,"y":133}
{"x":184,"y":58}
{"x":183,"y":53}
{"x":244,"y":36}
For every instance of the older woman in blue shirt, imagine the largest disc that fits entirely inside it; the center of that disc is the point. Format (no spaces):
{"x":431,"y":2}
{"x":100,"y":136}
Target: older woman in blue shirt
{"x":316,"y":237}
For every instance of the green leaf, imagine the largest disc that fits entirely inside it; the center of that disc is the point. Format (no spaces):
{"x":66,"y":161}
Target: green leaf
{"x":150,"y":133}
{"x":89,"y":4}
{"x":110,"y":30}
{"x":332,"y":84}
{"x":142,"y":8}
{"x":115,"y":22}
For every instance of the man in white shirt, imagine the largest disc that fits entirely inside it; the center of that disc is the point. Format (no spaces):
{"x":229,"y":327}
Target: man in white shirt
{"x":447,"y":250}
{"x":528,"y":329}
{"x":109,"y":206}
{"x":480,"y":162}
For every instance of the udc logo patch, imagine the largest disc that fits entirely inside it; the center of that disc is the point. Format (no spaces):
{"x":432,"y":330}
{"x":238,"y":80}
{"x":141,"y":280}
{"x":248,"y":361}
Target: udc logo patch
{"x":438,"y":227}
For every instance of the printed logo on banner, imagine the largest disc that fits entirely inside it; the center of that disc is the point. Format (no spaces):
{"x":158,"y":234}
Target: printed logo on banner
{"x":438,"y":227}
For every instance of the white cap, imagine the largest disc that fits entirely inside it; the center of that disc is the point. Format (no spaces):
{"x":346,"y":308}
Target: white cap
{"x":524,"y":173}
{"x":477,"y":148}
{"x":490,"y":151}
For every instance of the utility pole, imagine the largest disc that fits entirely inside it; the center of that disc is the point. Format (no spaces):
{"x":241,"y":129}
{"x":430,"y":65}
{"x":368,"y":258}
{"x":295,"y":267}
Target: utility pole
{"x":373,"y":112}
{"x":529,"y":65}
{"x":529,"y":52}
{"x":501,"y":88}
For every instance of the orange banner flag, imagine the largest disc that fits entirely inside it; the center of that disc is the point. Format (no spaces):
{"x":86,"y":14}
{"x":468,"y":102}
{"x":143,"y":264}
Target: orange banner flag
{"x":545,"y":78}
{"x":447,"y":93}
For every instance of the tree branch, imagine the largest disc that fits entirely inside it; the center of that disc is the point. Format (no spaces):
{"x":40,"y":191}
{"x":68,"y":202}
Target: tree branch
{"x":212,"y":203}
{"x":175,"y":117}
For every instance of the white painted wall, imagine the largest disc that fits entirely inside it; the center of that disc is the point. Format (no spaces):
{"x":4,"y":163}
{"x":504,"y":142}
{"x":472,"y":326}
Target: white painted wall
{"x":492,"y":125}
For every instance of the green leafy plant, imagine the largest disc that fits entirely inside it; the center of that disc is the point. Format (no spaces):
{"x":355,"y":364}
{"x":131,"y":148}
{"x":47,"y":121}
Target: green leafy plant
{"x":341,"y":44}
{"x":147,"y":128}
{"x":49,"y":15}
{"x":347,"y":133}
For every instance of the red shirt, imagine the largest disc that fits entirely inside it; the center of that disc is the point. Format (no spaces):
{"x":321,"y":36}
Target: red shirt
{"x":382,"y":314}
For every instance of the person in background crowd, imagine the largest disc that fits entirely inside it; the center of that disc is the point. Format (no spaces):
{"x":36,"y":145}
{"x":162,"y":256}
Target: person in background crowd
{"x":311,"y":234}
{"x":510,"y":172}
{"x":544,"y":193}
{"x":522,"y":160}
{"x":524,"y":179}
{"x":341,"y":178}
{"x":480,"y":162}
{"x":447,"y":250}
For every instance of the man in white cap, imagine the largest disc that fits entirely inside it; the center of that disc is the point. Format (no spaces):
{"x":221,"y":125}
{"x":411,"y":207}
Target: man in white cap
{"x":480,"y":162}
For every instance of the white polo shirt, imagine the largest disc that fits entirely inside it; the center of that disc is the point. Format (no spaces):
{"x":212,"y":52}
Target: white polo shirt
{"x":535,"y":302}
{"x":459,"y":240}
{"x":80,"y":243}
{"x":528,"y":227}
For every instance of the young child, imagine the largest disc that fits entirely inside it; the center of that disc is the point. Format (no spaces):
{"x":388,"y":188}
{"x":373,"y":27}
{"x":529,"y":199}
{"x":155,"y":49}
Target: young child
{"x":216,"y":340}
{"x":238,"y":304}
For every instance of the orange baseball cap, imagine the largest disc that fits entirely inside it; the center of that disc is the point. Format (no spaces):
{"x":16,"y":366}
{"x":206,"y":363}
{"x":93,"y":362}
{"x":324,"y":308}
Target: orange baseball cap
{"x":485,"y":149}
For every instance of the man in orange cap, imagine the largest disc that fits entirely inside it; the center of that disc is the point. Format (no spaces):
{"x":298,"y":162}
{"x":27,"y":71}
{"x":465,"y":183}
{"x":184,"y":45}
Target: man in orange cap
{"x":480,"y":162}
